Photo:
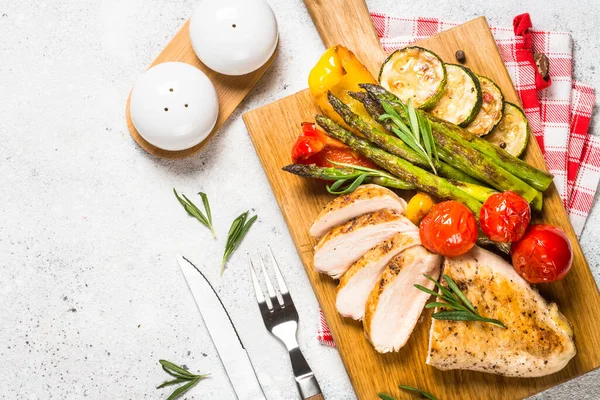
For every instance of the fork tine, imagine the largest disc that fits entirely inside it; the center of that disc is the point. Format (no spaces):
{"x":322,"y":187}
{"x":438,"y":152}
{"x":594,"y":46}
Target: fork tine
{"x":270,"y":289}
{"x":260,"y":297}
{"x":280,"y":282}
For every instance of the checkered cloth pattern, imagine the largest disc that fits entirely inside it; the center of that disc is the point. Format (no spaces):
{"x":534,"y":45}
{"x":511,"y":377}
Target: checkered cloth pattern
{"x":558,"y":109}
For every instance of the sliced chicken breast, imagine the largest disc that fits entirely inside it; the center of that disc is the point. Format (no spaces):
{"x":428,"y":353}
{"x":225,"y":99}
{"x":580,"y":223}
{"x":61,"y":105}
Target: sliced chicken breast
{"x":345,"y":244}
{"x":538,"y":340}
{"x":395,"y":304}
{"x":365,"y":199}
{"x":357,"y":283}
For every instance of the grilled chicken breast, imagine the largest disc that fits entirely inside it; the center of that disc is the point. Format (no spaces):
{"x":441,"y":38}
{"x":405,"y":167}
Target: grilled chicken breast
{"x":356,"y":284}
{"x":538,"y":340}
{"x":345,"y":244}
{"x":365,"y":199}
{"x":394,"y":305}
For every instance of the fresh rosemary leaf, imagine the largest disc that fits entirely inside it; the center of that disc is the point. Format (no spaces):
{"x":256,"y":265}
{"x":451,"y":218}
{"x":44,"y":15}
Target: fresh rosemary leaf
{"x":414,"y":123}
{"x":333,"y":189}
{"x":429,"y":133}
{"x":435,"y":304}
{"x":452,"y":285}
{"x":417,"y":390}
{"x":237,"y":231}
{"x":460,"y":308}
{"x":206,"y":206}
{"x":384,"y":396}
{"x":424,"y":289}
{"x":426,"y":139}
{"x":456,"y":316}
{"x":175,"y":370}
{"x":173,"y":382}
{"x":181,"y":376}
{"x":182,"y":389}
{"x":418,"y":137}
{"x":195,"y":212}
{"x":364,"y":173}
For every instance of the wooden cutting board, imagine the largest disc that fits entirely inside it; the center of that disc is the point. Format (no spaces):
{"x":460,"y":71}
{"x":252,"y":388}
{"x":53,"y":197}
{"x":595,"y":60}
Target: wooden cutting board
{"x":274,"y":128}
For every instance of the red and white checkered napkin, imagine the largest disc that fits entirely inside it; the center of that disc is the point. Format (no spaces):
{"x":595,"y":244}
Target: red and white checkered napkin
{"x":558,"y":110}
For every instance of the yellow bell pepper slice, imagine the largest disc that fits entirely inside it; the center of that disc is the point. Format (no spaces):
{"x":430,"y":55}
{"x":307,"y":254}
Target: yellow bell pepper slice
{"x":339,"y":71}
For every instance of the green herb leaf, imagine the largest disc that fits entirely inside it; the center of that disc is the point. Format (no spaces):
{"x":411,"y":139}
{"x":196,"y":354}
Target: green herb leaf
{"x":460,"y":308}
{"x":337,"y":187}
{"x":452,"y":285}
{"x":173,"y":382}
{"x":195,"y":212}
{"x":435,"y":304}
{"x":420,"y":391}
{"x":384,"y":396}
{"x":207,"y":209}
{"x":418,"y":136}
{"x":182,"y":389}
{"x":237,"y":231}
{"x":414,"y":122}
{"x":181,"y":376}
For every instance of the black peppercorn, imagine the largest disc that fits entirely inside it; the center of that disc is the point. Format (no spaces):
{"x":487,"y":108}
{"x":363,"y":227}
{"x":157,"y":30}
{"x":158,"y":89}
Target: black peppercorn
{"x":502,"y":145}
{"x":460,"y":56}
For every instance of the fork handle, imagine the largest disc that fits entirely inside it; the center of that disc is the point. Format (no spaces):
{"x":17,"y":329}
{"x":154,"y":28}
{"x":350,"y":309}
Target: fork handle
{"x":305,"y":378}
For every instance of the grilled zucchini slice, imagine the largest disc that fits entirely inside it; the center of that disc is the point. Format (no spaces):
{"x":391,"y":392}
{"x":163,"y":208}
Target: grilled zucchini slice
{"x":414,"y":73}
{"x":490,"y":112}
{"x":512,"y":133}
{"x":461,"y":99}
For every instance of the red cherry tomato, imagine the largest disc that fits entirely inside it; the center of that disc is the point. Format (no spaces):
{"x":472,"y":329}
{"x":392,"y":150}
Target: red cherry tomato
{"x":543,"y":255}
{"x":314,"y":147}
{"x":504,"y":217}
{"x":449,"y":229}
{"x":309,"y":143}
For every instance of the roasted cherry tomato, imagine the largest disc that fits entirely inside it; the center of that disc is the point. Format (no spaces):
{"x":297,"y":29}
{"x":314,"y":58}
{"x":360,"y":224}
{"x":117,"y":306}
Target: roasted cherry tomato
{"x":449,"y":229}
{"x":314,"y":147}
{"x":418,"y":207}
{"x":309,"y":143}
{"x":504,"y":217}
{"x":543,"y":255}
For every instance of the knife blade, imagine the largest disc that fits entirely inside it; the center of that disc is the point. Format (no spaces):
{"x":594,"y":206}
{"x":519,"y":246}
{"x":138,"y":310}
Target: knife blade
{"x":223,"y":334}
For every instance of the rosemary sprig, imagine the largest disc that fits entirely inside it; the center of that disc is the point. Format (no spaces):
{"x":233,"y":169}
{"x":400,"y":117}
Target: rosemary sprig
{"x":195,"y":212}
{"x":423,"y":393}
{"x":418,"y":136}
{"x":237,"y":231}
{"x":356,"y":179}
{"x":181,"y":375}
{"x":461,"y":308}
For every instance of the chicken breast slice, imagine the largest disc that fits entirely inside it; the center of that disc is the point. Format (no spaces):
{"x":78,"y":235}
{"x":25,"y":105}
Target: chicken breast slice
{"x":345,"y":244}
{"x":395,"y":304}
{"x":357,"y":283}
{"x":365,"y":199}
{"x":538,"y":340}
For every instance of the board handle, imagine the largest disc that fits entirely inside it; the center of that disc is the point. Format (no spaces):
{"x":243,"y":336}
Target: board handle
{"x":348,"y":22}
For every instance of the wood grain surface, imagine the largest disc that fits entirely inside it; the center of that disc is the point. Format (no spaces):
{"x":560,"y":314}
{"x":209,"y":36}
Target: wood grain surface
{"x":231,"y":90}
{"x":274,"y":128}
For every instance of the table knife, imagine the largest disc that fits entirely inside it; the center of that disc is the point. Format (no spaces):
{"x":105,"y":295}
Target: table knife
{"x":224,"y":335}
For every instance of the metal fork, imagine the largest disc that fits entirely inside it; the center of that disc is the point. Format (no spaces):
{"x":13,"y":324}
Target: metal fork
{"x":281,"y":319}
